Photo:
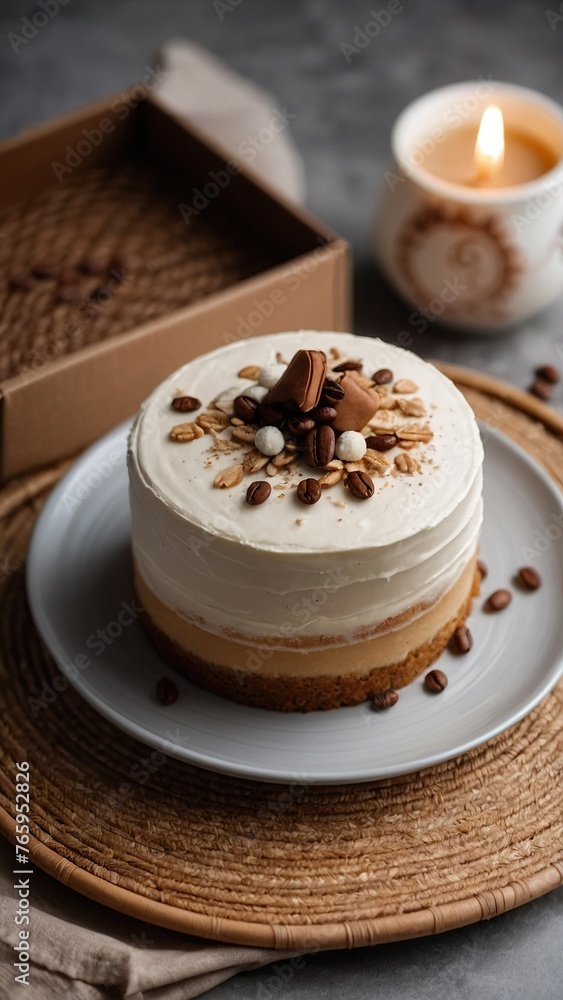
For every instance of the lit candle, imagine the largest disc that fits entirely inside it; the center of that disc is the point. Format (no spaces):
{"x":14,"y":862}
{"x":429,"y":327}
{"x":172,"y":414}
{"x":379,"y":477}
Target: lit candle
{"x":470,"y":218}
{"x":488,"y":155}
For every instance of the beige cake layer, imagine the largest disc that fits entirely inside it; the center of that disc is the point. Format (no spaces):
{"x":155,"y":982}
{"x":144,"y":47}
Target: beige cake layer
{"x":290,"y":680}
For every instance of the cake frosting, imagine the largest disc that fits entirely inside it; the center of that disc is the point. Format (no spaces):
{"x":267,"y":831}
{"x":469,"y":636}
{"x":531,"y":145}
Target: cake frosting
{"x":282,"y":573}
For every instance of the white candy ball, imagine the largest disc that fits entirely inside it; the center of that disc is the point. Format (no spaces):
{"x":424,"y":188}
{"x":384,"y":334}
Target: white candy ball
{"x":351,"y":446}
{"x":269,"y":440}
{"x":270,"y":374}
{"x":257,"y":392}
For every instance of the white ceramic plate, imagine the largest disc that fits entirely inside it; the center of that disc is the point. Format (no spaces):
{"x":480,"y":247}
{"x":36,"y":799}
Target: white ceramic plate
{"x":81,"y":594}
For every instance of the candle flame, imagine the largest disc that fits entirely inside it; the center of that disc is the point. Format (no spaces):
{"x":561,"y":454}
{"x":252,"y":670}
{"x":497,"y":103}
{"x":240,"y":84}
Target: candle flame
{"x":489,"y":148}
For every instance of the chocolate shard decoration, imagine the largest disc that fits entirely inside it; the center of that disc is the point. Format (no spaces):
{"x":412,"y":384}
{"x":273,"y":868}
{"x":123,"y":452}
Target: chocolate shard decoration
{"x":357,"y":407}
{"x":302,"y":382}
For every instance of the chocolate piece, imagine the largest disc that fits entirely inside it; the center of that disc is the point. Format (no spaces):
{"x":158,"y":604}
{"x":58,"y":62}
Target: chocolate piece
{"x":309,"y":491}
{"x":499,"y":600}
{"x":360,"y":485}
{"x":258,"y":492}
{"x":319,"y":446}
{"x":461,"y":641}
{"x":357,"y":407}
{"x":549,"y":373}
{"x":382,"y":700}
{"x":529,"y":577}
{"x":382,"y":376}
{"x":166,"y":691}
{"x":331,"y":392}
{"x":435,"y":681}
{"x":348,"y":366}
{"x":382,"y":442}
{"x":246,"y":408}
{"x":186,"y":404}
{"x":299,"y":426}
{"x":302,"y":382}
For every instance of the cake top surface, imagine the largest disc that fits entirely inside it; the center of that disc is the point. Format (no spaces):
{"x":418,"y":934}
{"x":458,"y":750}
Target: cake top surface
{"x":418,"y":482}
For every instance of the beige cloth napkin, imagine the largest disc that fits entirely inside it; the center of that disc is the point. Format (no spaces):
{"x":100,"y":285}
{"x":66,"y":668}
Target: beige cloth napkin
{"x":80,"y":949}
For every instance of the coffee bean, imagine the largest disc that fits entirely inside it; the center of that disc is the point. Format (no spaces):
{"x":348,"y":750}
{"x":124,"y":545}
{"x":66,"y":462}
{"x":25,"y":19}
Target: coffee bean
{"x":22,"y":282}
{"x":382,"y":442}
{"x":309,"y":491}
{"x":384,"y":699}
{"x":43,"y":272}
{"x":270,"y":415}
{"x":382,"y":376}
{"x":483,"y":569}
{"x":360,"y":485}
{"x":529,"y":577}
{"x":435,"y":681}
{"x":348,"y":366}
{"x":542,"y":389}
{"x":166,"y":691}
{"x":93,"y":265}
{"x":320,"y":445}
{"x":499,"y":600}
{"x":332,"y":392}
{"x":68,"y":275}
{"x":324,"y":414}
{"x":461,"y":641}
{"x":258,"y":492}
{"x":186,"y":404}
{"x":549,"y":373}
{"x":300,"y":426}
{"x":67,"y":293}
{"x":246,"y":408}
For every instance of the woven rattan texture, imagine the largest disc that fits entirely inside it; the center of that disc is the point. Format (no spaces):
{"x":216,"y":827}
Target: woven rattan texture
{"x":112,"y":215}
{"x":290,"y":866}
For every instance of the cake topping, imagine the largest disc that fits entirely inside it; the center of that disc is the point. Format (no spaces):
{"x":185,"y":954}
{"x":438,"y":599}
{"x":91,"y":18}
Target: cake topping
{"x":308,"y":412}
{"x":356,"y":407}
{"x":269,"y":440}
{"x":360,"y":485}
{"x":302,"y":381}
{"x":319,"y":446}
{"x":186,"y":404}
{"x":351,"y":446}
{"x":309,"y":491}
{"x":258,"y":492}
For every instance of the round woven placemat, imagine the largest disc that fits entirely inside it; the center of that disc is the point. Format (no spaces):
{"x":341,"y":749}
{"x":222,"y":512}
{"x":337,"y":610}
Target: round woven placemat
{"x":288,"y":866}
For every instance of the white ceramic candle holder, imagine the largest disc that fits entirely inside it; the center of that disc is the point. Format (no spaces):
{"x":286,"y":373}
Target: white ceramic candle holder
{"x":475,"y":258}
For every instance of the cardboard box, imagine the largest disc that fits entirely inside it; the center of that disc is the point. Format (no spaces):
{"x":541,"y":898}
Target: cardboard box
{"x":63,"y":400}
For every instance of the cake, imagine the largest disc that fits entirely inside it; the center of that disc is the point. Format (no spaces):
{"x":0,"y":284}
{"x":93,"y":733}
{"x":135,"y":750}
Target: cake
{"x":306,"y":510}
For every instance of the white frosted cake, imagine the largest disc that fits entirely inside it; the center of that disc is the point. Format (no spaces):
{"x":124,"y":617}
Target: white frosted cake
{"x":306,"y":514}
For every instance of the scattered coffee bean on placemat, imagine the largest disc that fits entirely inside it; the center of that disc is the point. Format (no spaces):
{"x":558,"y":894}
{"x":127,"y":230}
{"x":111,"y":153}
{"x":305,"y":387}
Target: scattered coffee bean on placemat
{"x":461,"y":641}
{"x":549,"y":373}
{"x":498,"y":600}
{"x":382,"y":700}
{"x":435,"y":681}
{"x":166,"y":691}
{"x":258,"y":492}
{"x":542,"y":389}
{"x":529,"y":578}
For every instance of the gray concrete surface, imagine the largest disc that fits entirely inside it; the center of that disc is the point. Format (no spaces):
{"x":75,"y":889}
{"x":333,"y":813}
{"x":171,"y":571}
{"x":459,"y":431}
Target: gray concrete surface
{"x":344,"y":112}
